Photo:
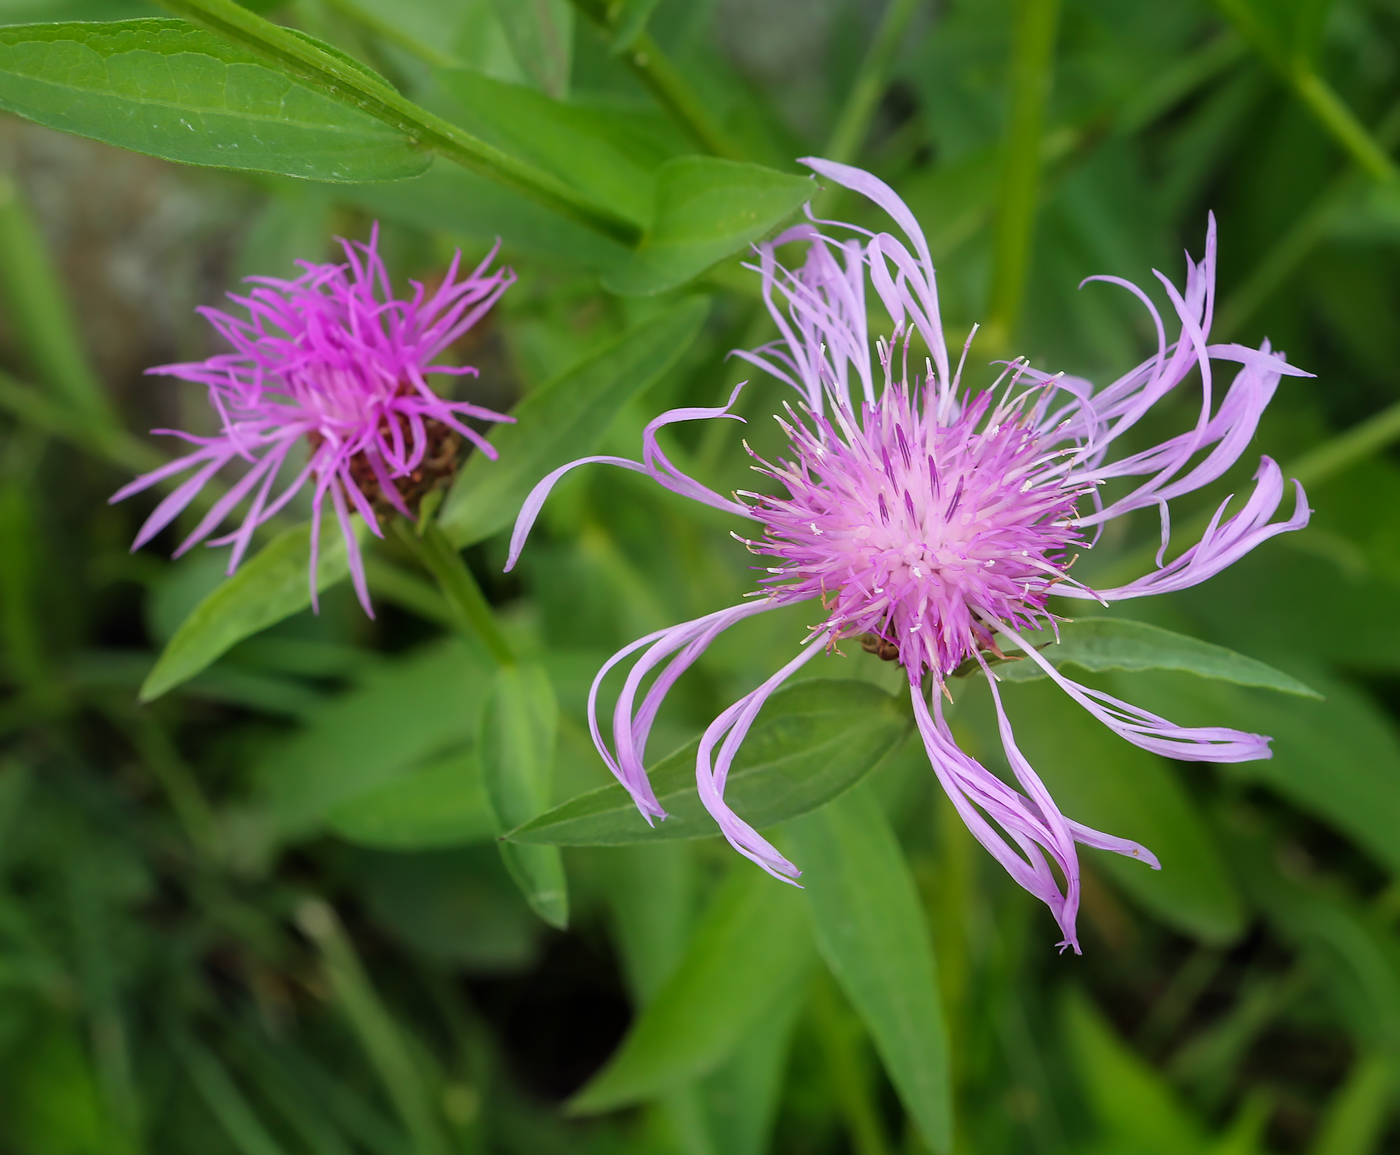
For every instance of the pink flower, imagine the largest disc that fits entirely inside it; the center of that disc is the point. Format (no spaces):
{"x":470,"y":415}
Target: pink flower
{"x":333,"y":360}
{"x":935,"y":522}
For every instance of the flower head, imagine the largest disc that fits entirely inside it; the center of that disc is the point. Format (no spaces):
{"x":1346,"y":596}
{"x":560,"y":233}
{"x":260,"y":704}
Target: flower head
{"x":334,"y":361}
{"x":935,"y":522}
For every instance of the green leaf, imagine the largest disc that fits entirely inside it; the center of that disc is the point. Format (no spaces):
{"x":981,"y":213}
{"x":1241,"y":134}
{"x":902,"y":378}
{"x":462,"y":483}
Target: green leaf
{"x":171,"y":90}
{"x":403,"y":713}
{"x":518,"y":730}
{"x":813,"y":740}
{"x":443,"y":803}
{"x":270,"y":586}
{"x":472,"y":207}
{"x":564,"y":420}
{"x":752,"y":946}
{"x":1102,"y":781}
{"x":609,"y":155}
{"x":541,"y":36}
{"x":630,"y":21}
{"x":871,"y":930}
{"x":1118,"y":644}
{"x":705,"y":210}
{"x":1134,"y":1106}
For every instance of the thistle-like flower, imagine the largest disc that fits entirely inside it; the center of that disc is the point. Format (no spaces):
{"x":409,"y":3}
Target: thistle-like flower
{"x":333,"y":360}
{"x":935,"y":523}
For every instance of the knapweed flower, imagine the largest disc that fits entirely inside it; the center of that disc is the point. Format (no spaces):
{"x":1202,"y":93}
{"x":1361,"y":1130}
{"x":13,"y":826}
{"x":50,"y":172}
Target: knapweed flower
{"x":334,"y":362}
{"x":935,"y":522}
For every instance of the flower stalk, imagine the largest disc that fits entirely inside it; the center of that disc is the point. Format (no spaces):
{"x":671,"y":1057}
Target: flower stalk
{"x":444,"y":561}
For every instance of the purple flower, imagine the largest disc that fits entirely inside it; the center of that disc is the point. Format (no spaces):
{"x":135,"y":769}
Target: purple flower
{"x":333,"y":360}
{"x":935,"y":523}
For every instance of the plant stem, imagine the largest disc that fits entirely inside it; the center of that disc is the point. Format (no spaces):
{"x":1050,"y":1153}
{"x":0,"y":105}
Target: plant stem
{"x":444,"y":561}
{"x":355,"y":86}
{"x":655,"y":70}
{"x":1032,"y":68}
{"x":864,"y":97}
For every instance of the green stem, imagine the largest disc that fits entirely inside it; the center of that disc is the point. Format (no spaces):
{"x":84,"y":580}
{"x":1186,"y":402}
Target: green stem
{"x":1341,"y":124}
{"x":869,"y":84}
{"x":346,"y":82}
{"x":378,"y":1033}
{"x":1032,"y":67}
{"x":655,"y":70}
{"x":444,"y":561}
{"x":41,"y":319}
{"x":390,"y":32}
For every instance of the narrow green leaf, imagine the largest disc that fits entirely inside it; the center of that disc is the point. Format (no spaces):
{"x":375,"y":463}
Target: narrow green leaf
{"x":630,"y":22}
{"x":705,"y":210}
{"x":518,"y":730}
{"x":871,"y":930}
{"x":1135,"y":1108}
{"x":1118,"y":644}
{"x":752,"y":946}
{"x":374,"y":736}
{"x":443,"y":803}
{"x":813,"y":740}
{"x":270,"y":586}
{"x":564,"y":420}
{"x":1102,"y":781}
{"x":171,"y":90}
{"x":225,"y":1101}
{"x":609,"y":155}
{"x":1357,"y":1115}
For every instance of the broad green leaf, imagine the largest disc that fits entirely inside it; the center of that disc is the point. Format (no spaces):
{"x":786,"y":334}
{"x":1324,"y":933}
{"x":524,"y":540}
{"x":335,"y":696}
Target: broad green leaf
{"x":871,"y":930}
{"x":813,"y":740}
{"x":742,"y":1096}
{"x":1102,"y":781}
{"x":1134,"y":1107}
{"x":564,"y":420}
{"x":751,"y":948}
{"x":166,"y":88}
{"x":271,"y":585}
{"x":1338,"y":759}
{"x":403,"y":712}
{"x":443,"y":803}
{"x":1118,"y":644}
{"x":609,"y":155}
{"x":705,"y":210}
{"x":519,"y":727}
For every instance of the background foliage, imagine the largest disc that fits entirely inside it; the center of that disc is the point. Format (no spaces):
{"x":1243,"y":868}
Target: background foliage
{"x":263,"y":913}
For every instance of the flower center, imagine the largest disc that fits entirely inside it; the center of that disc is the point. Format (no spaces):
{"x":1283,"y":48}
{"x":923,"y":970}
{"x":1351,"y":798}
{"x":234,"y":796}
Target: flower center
{"x":925,"y":536}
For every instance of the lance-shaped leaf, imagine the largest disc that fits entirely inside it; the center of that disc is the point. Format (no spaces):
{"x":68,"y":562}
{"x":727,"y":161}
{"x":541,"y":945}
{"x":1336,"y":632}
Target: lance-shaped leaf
{"x":813,"y":740}
{"x":1118,"y":644}
{"x":871,"y":930}
{"x":518,"y":730}
{"x":750,"y":949}
{"x":706,"y":209}
{"x":564,"y":420}
{"x":266,"y":588}
{"x":171,"y":90}
{"x":442,"y":803}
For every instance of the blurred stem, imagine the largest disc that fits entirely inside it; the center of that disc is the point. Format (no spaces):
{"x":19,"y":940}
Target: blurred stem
{"x":1187,"y":985}
{"x":392,"y":34}
{"x":842,"y":1041}
{"x":1357,"y":1115}
{"x":1033,"y":32}
{"x":661,"y":77}
{"x":1308,"y":231}
{"x":869,"y":85}
{"x":445,"y":562}
{"x":40,"y":317}
{"x":385,"y":1046}
{"x":345,"y":82}
{"x":225,"y":1101}
{"x":19,"y":615}
{"x":187,"y":799}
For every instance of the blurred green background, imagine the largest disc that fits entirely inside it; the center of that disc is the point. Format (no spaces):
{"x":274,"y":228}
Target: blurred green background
{"x":263,"y":914}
